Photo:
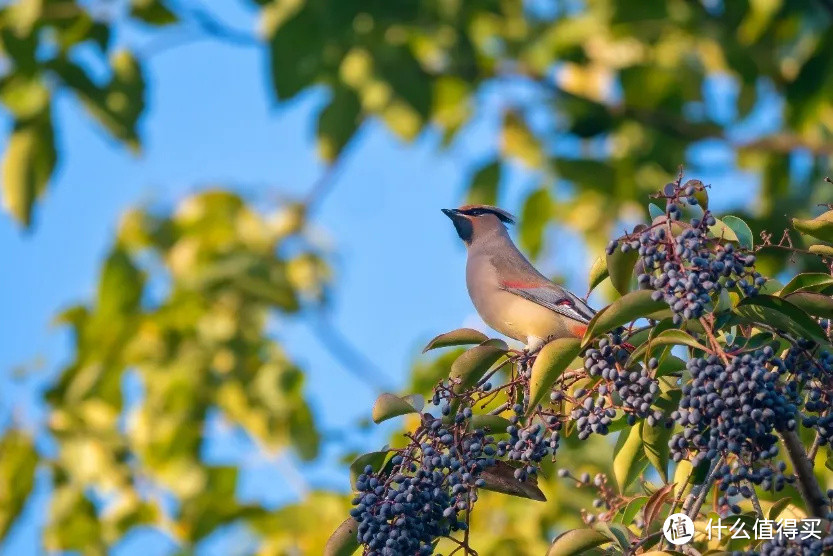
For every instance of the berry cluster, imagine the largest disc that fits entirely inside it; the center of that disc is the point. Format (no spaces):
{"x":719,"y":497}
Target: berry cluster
{"x":635,"y":388}
{"x":529,"y":445}
{"x":686,"y":270}
{"x":430,"y":484}
{"x":812,"y":375}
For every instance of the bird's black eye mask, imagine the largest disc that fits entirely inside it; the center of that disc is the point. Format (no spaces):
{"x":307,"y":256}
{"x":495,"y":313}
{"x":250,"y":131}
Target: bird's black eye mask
{"x":479,"y":211}
{"x":464,"y":228}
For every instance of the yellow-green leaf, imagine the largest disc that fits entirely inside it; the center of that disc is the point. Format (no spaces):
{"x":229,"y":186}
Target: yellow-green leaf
{"x":343,"y":541}
{"x":576,"y":542}
{"x":620,"y":268}
{"x":550,"y":362}
{"x":628,"y":459}
{"x":28,"y":163}
{"x":459,"y":337}
{"x":598,"y":272}
{"x":473,"y":364}
{"x":388,"y":406}
{"x":627,"y":308}
{"x":820,"y":227}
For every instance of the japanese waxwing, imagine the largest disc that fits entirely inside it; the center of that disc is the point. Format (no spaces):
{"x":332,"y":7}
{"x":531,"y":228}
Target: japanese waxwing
{"x":508,"y":293}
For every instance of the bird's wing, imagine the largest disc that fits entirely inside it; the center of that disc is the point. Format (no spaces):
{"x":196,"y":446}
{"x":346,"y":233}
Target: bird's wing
{"x":555,"y":298}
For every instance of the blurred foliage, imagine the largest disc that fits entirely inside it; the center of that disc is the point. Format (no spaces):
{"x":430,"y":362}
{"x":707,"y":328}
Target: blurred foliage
{"x":182,"y":306}
{"x":183,"y":299}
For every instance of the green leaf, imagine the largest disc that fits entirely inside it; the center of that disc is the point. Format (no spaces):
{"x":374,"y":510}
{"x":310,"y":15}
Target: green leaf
{"x":821,"y":250}
{"x":682,"y":478}
{"x":577,"y":542}
{"x":741,"y":230}
{"x":344,"y":540}
{"x":459,"y":337}
{"x":722,"y":231}
{"x":620,"y":268}
{"x":338,"y":122}
{"x":550,"y":362}
{"x":494,"y":424}
{"x":616,"y":532}
{"x":500,"y":478}
{"x":376,"y":460}
{"x":152,"y":12}
{"x":654,"y":211}
{"x":120,"y":285}
{"x":484,"y":184}
{"x":655,"y":443}
{"x":778,"y":507}
{"x":633,"y":507}
{"x":820,"y":227}
{"x":629,"y":458}
{"x":473,"y":363}
{"x":627,"y":308}
{"x":598,"y":272}
{"x":388,"y":406}
{"x":28,"y":163}
{"x":669,"y":337}
{"x":780,"y":314}
{"x":808,"y":281}
{"x":17,"y":475}
{"x":535,"y":216}
{"x":816,"y":304}
{"x":519,"y":142}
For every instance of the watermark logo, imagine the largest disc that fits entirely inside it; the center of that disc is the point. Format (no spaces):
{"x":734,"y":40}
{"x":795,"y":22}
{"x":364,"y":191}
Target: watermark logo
{"x":678,"y":529}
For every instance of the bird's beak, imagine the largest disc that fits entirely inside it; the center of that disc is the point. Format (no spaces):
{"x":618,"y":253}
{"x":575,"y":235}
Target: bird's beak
{"x":450,"y":212}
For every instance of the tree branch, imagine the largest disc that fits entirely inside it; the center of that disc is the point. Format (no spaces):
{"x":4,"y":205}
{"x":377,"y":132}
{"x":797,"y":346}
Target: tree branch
{"x":808,"y":486}
{"x":350,"y":357}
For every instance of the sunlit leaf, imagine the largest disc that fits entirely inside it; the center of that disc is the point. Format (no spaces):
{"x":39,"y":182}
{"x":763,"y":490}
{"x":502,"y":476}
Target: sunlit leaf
{"x":343,"y":541}
{"x":388,"y":406}
{"x":620,"y":268}
{"x":473,"y":364}
{"x":28,"y":162}
{"x":459,"y":337}
{"x":808,"y":281}
{"x":550,"y":362}
{"x":598,"y":272}
{"x":577,"y":542}
{"x":780,"y":314}
{"x":627,"y":308}
{"x":17,"y":475}
{"x":820,"y":227}
{"x":629,"y":458}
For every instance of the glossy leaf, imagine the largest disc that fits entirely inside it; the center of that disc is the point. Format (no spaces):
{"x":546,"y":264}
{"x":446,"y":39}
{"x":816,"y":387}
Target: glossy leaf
{"x":598,"y":272}
{"x":666,"y":338}
{"x":388,"y":406}
{"x":376,"y":460}
{"x":655,"y":444}
{"x":808,"y":281}
{"x":820,"y":227}
{"x":473,"y":364}
{"x":780,"y":314}
{"x":741,"y":229}
{"x":816,"y":304}
{"x":459,"y":337}
{"x":620,"y":269}
{"x":627,"y":308}
{"x":343,"y":541}
{"x":551,"y":361}
{"x":629,"y":458}
{"x":577,"y":542}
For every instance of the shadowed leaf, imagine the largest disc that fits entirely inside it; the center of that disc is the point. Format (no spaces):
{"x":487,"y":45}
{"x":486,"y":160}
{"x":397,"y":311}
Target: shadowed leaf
{"x":459,"y":337}
{"x":388,"y":406}
{"x":576,"y":542}
{"x":500,"y":478}
{"x":343,"y":541}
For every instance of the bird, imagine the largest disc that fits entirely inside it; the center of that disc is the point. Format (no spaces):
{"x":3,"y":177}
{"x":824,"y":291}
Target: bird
{"x":509,"y":294}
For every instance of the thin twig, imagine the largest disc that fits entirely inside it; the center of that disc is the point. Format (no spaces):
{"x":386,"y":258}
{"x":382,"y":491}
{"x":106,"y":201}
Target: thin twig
{"x":755,"y":502}
{"x":351,"y":358}
{"x":691,"y":507}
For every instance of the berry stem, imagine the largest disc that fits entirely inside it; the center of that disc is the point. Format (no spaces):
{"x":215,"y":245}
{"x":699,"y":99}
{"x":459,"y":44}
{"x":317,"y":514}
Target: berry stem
{"x":694,"y":502}
{"x":808,"y":486}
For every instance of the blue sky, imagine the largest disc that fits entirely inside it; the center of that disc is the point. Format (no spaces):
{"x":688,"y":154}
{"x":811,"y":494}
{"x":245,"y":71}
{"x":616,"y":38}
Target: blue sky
{"x":211,"y":120}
